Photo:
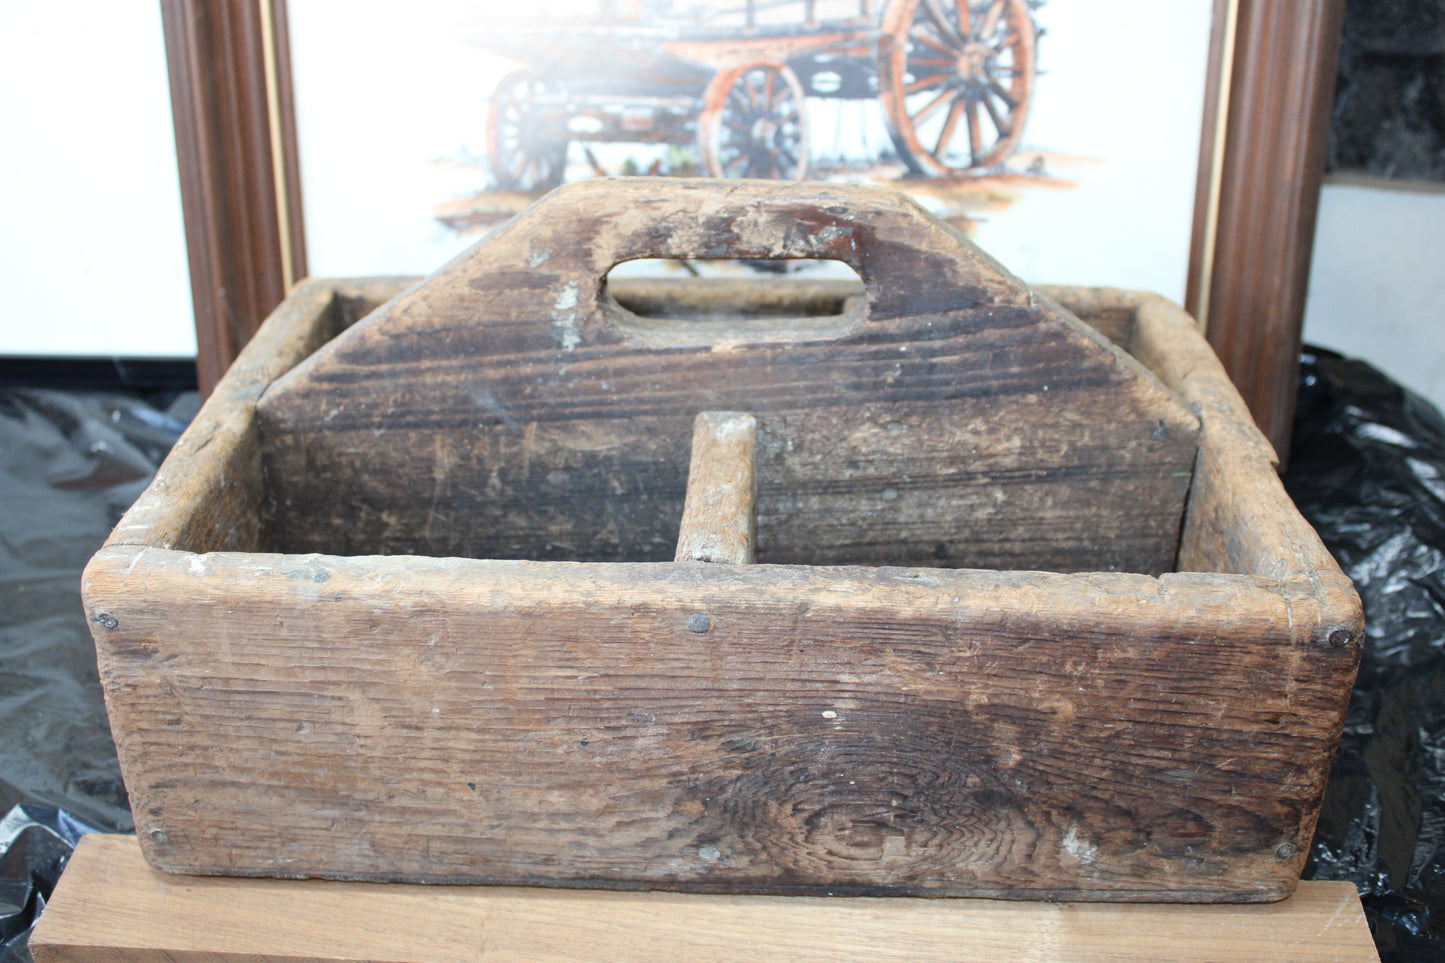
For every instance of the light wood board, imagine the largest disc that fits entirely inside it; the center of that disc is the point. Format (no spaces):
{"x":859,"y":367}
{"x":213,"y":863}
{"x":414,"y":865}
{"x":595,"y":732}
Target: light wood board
{"x":110,"y":907}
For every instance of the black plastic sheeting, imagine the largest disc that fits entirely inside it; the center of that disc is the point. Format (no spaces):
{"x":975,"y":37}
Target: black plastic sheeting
{"x":35,"y":844}
{"x":1367,"y":469}
{"x":71,"y":462}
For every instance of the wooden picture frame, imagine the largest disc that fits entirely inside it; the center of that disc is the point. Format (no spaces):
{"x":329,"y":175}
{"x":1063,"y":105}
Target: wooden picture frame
{"x":230,"y":77}
{"x":1262,"y":161}
{"x":1267,"y":108}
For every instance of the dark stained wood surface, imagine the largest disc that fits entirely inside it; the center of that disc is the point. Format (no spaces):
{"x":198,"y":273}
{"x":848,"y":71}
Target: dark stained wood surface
{"x":511,"y":407}
{"x":1019,"y":734}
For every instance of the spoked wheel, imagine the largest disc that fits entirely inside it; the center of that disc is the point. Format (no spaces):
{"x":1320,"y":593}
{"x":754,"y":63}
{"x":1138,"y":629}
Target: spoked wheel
{"x":955,"y":78}
{"x":753,"y":123}
{"x":525,"y":151}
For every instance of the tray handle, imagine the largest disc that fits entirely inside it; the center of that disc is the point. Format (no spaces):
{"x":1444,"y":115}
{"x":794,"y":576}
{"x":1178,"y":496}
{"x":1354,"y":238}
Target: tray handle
{"x":910,"y":262}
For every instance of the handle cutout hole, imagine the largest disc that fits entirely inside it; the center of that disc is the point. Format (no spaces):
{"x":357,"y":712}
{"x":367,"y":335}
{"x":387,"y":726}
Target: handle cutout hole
{"x":712,"y":302}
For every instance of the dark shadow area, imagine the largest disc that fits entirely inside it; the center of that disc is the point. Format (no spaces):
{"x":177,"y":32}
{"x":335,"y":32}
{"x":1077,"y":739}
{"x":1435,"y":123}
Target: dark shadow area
{"x":1368,"y":471}
{"x":1389,"y":114}
{"x":71,"y":462}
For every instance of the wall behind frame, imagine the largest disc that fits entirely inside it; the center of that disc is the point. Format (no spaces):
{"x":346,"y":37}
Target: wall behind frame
{"x":92,"y":250}
{"x":1377,"y":290}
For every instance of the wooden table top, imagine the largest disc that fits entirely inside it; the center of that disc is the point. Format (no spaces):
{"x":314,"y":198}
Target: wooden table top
{"x":111,"y":906}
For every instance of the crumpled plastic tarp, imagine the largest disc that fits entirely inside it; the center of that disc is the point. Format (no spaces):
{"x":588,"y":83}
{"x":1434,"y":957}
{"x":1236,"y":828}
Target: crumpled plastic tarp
{"x":71,"y":462}
{"x":1367,"y":468}
{"x":35,"y":844}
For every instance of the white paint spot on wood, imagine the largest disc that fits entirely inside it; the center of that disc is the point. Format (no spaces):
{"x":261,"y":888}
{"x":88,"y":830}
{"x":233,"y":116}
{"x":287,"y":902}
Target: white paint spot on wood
{"x":734,"y":428}
{"x":136,"y":560}
{"x":830,"y":714}
{"x":569,"y":335}
{"x":197,"y":565}
{"x":566,"y":297}
{"x":1078,"y":847}
{"x":564,"y":317}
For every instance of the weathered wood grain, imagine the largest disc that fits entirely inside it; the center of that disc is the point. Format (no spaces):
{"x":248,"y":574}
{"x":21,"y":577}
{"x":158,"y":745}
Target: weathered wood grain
{"x":110,"y":907}
{"x":511,"y":407}
{"x":719,"y":521}
{"x":1006,"y":733}
{"x":864,"y":730}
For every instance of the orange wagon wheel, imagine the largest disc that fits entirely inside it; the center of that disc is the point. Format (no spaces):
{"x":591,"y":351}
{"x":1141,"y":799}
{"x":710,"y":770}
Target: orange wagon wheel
{"x":753,"y":123}
{"x":955,"y":78}
{"x":524,"y":153}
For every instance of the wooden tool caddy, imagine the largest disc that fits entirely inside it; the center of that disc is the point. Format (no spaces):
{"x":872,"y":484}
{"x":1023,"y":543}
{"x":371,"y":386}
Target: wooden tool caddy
{"x":516,"y":575}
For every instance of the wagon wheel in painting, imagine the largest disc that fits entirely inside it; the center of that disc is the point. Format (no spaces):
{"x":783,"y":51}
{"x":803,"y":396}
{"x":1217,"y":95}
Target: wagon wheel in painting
{"x":753,"y":123}
{"x":525,"y":154}
{"x":955,"y":78}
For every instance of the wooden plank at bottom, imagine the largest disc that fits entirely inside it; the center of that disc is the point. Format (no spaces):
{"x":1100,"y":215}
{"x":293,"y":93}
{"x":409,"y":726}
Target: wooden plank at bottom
{"x":111,"y":907}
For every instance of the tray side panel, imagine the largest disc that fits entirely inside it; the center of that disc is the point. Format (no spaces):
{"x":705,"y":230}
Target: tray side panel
{"x":832,"y":730}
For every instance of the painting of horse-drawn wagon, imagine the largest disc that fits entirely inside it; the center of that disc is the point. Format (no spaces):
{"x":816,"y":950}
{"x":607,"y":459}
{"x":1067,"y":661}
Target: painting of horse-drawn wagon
{"x":735,"y":83}
{"x":1063,"y":136}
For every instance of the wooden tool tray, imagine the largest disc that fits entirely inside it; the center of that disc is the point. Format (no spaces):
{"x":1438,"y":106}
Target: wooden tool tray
{"x":527,"y":577}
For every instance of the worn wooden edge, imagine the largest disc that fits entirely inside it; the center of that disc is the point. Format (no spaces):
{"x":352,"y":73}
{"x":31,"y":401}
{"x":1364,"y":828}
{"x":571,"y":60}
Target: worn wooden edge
{"x":1237,"y":488}
{"x":1160,"y":396}
{"x":1235,"y":455}
{"x":1238,"y":517}
{"x":123,"y":572}
{"x":110,"y":907}
{"x":719,"y":514}
{"x":218,"y":455}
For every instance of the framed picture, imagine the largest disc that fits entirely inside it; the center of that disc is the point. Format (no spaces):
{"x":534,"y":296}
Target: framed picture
{"x":1118,"y":142}
{"x":1005,"y":117}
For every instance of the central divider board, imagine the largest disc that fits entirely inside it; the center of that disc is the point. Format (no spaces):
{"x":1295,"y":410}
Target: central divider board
{"x":509,"y":407}
{"x":719,"y":518}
